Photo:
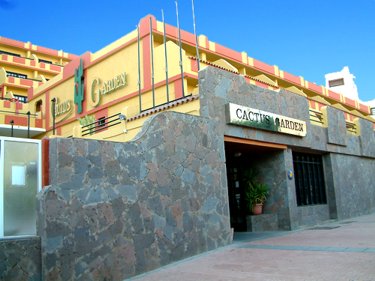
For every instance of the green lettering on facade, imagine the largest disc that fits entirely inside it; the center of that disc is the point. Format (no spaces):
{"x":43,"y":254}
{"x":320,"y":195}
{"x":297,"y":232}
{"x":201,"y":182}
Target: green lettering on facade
{"x":98,"y":89}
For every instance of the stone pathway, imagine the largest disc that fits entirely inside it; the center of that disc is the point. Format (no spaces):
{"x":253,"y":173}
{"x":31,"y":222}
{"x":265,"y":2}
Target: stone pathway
{"x":335,"y":251}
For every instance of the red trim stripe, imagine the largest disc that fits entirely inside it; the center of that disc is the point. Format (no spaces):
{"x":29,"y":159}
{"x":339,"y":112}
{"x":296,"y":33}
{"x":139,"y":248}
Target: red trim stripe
{"x":19,"y":105}
{"x":364,"y":108}
{"x":350,"y":102}
{"x":178,"y":89}
{"x":19,"y":60}
{"x":334,"y":95}
{"x":45,"y":162}
{"x":194,"y":65}
{"x":11,"y":42}
{"x":26,"y":82}
{"x":18,"y":120}
{"x":229,"y":53}
{"x":315,"y":88}
{"x":146,"y":62}
{"x":292,"y":78}
{"x":312,"y":104}
{"x":39,"y":123}
{"x":47,"y":51}
{"x":264,"y":67}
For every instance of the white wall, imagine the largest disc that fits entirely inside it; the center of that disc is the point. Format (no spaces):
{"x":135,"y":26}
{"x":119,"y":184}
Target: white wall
{"x":349,"y":88}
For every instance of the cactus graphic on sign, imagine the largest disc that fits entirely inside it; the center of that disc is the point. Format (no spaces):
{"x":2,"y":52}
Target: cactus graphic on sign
{"x":78,"y":87}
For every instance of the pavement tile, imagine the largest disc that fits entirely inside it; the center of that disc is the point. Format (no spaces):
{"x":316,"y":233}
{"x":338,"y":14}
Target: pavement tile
{"x":346,"y":253}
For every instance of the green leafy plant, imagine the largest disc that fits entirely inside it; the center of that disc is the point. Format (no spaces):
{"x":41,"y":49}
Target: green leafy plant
{"x":256,"y":194}
{"x":89,"y":122}
{"x":255,"y":191}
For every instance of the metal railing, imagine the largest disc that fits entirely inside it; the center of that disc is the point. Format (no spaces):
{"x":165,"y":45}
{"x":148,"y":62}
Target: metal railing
{"x":12,"y":123}
{"x":102,"y":124}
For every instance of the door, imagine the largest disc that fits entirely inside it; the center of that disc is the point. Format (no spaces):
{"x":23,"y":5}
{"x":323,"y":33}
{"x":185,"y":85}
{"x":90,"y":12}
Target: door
{"x":19,"y":184}
{"x":237,"y":206}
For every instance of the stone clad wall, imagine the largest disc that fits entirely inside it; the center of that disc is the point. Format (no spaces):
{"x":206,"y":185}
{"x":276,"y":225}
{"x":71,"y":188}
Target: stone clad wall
{"x":218,"y":88}
{"x":349,"y":159}
{"x":20,"y":259}
{"x":114,"y":210}
{"x":336,"y":131}
{"x":354,"y":185}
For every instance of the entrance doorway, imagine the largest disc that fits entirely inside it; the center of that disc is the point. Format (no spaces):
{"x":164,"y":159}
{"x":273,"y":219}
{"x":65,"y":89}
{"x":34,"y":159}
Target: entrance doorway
{"x":241,"y":155}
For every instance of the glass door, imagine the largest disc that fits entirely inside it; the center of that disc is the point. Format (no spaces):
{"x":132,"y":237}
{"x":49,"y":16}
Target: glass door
{"x":20,"y":182}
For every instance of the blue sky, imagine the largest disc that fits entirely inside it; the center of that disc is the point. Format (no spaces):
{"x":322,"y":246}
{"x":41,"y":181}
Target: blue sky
{"x":308,"y":38}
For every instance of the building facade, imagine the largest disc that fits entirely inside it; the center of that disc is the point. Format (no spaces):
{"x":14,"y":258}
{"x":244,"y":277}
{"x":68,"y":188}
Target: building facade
{"x":148,"y":164}
{"x":133,"y":78}
{"x":23,"y":66}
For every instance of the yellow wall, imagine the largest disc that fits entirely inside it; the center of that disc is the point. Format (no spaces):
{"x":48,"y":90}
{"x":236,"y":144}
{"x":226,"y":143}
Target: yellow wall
{"x":105,"y":65}
{"x":128,"y":130}
{"x":120,"y":62}
{"x":31,"y":53}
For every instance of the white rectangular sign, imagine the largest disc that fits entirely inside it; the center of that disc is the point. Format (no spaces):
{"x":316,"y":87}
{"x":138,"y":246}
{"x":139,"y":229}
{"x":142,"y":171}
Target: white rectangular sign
{"x":255,"y":118}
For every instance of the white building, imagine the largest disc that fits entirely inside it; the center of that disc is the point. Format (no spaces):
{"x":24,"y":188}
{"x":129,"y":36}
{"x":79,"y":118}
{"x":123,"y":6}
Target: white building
{"x":342,"y":82}
{"x":371,"y":103}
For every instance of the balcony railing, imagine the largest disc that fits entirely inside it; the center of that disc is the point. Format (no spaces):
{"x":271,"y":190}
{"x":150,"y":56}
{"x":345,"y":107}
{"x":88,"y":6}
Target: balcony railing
{"x":102,"y":124}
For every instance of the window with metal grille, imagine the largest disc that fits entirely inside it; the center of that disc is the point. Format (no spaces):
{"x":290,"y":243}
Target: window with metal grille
{"x":309,"y":179}
{"x":101,"y":122}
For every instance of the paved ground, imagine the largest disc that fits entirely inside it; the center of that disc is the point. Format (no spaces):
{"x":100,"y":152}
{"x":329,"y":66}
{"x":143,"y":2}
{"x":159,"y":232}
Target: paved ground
{"x":334,"y":251}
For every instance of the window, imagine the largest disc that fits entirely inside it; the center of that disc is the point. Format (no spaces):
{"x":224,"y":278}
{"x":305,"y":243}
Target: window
{"x":38,"y":106}
{"x":336,"y":82}
{"x":373,"y":111}
{"x":22,"y":99}
{"x":18,"y":175}
{"x":101,"y":122}
{"x":9,"y":53}
{"x":17,"y":75}
{"x":309,"y":179}
{"x":45,"y":61}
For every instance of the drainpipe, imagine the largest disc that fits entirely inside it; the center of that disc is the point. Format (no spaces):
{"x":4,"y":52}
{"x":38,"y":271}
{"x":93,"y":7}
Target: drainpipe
{"x":53,"y":115}
{"x":11,"y":129}
{"x":28,"y":124}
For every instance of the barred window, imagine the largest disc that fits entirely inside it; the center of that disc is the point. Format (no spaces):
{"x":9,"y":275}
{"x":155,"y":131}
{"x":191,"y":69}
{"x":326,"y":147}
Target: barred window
{"x":309,"y":179}
{"x":101,"y":122}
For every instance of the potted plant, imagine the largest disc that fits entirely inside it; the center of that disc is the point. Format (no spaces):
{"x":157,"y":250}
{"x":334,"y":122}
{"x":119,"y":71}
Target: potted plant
{"x":255,"y":196}
{"x":255,"y":192}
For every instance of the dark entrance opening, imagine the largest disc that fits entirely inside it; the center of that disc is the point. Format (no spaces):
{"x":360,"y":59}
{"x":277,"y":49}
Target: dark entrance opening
{"x":240,"y":155}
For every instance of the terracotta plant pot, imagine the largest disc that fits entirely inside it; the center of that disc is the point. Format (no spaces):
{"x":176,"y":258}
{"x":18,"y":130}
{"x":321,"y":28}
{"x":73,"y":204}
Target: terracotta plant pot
{"x":257,"y":209}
